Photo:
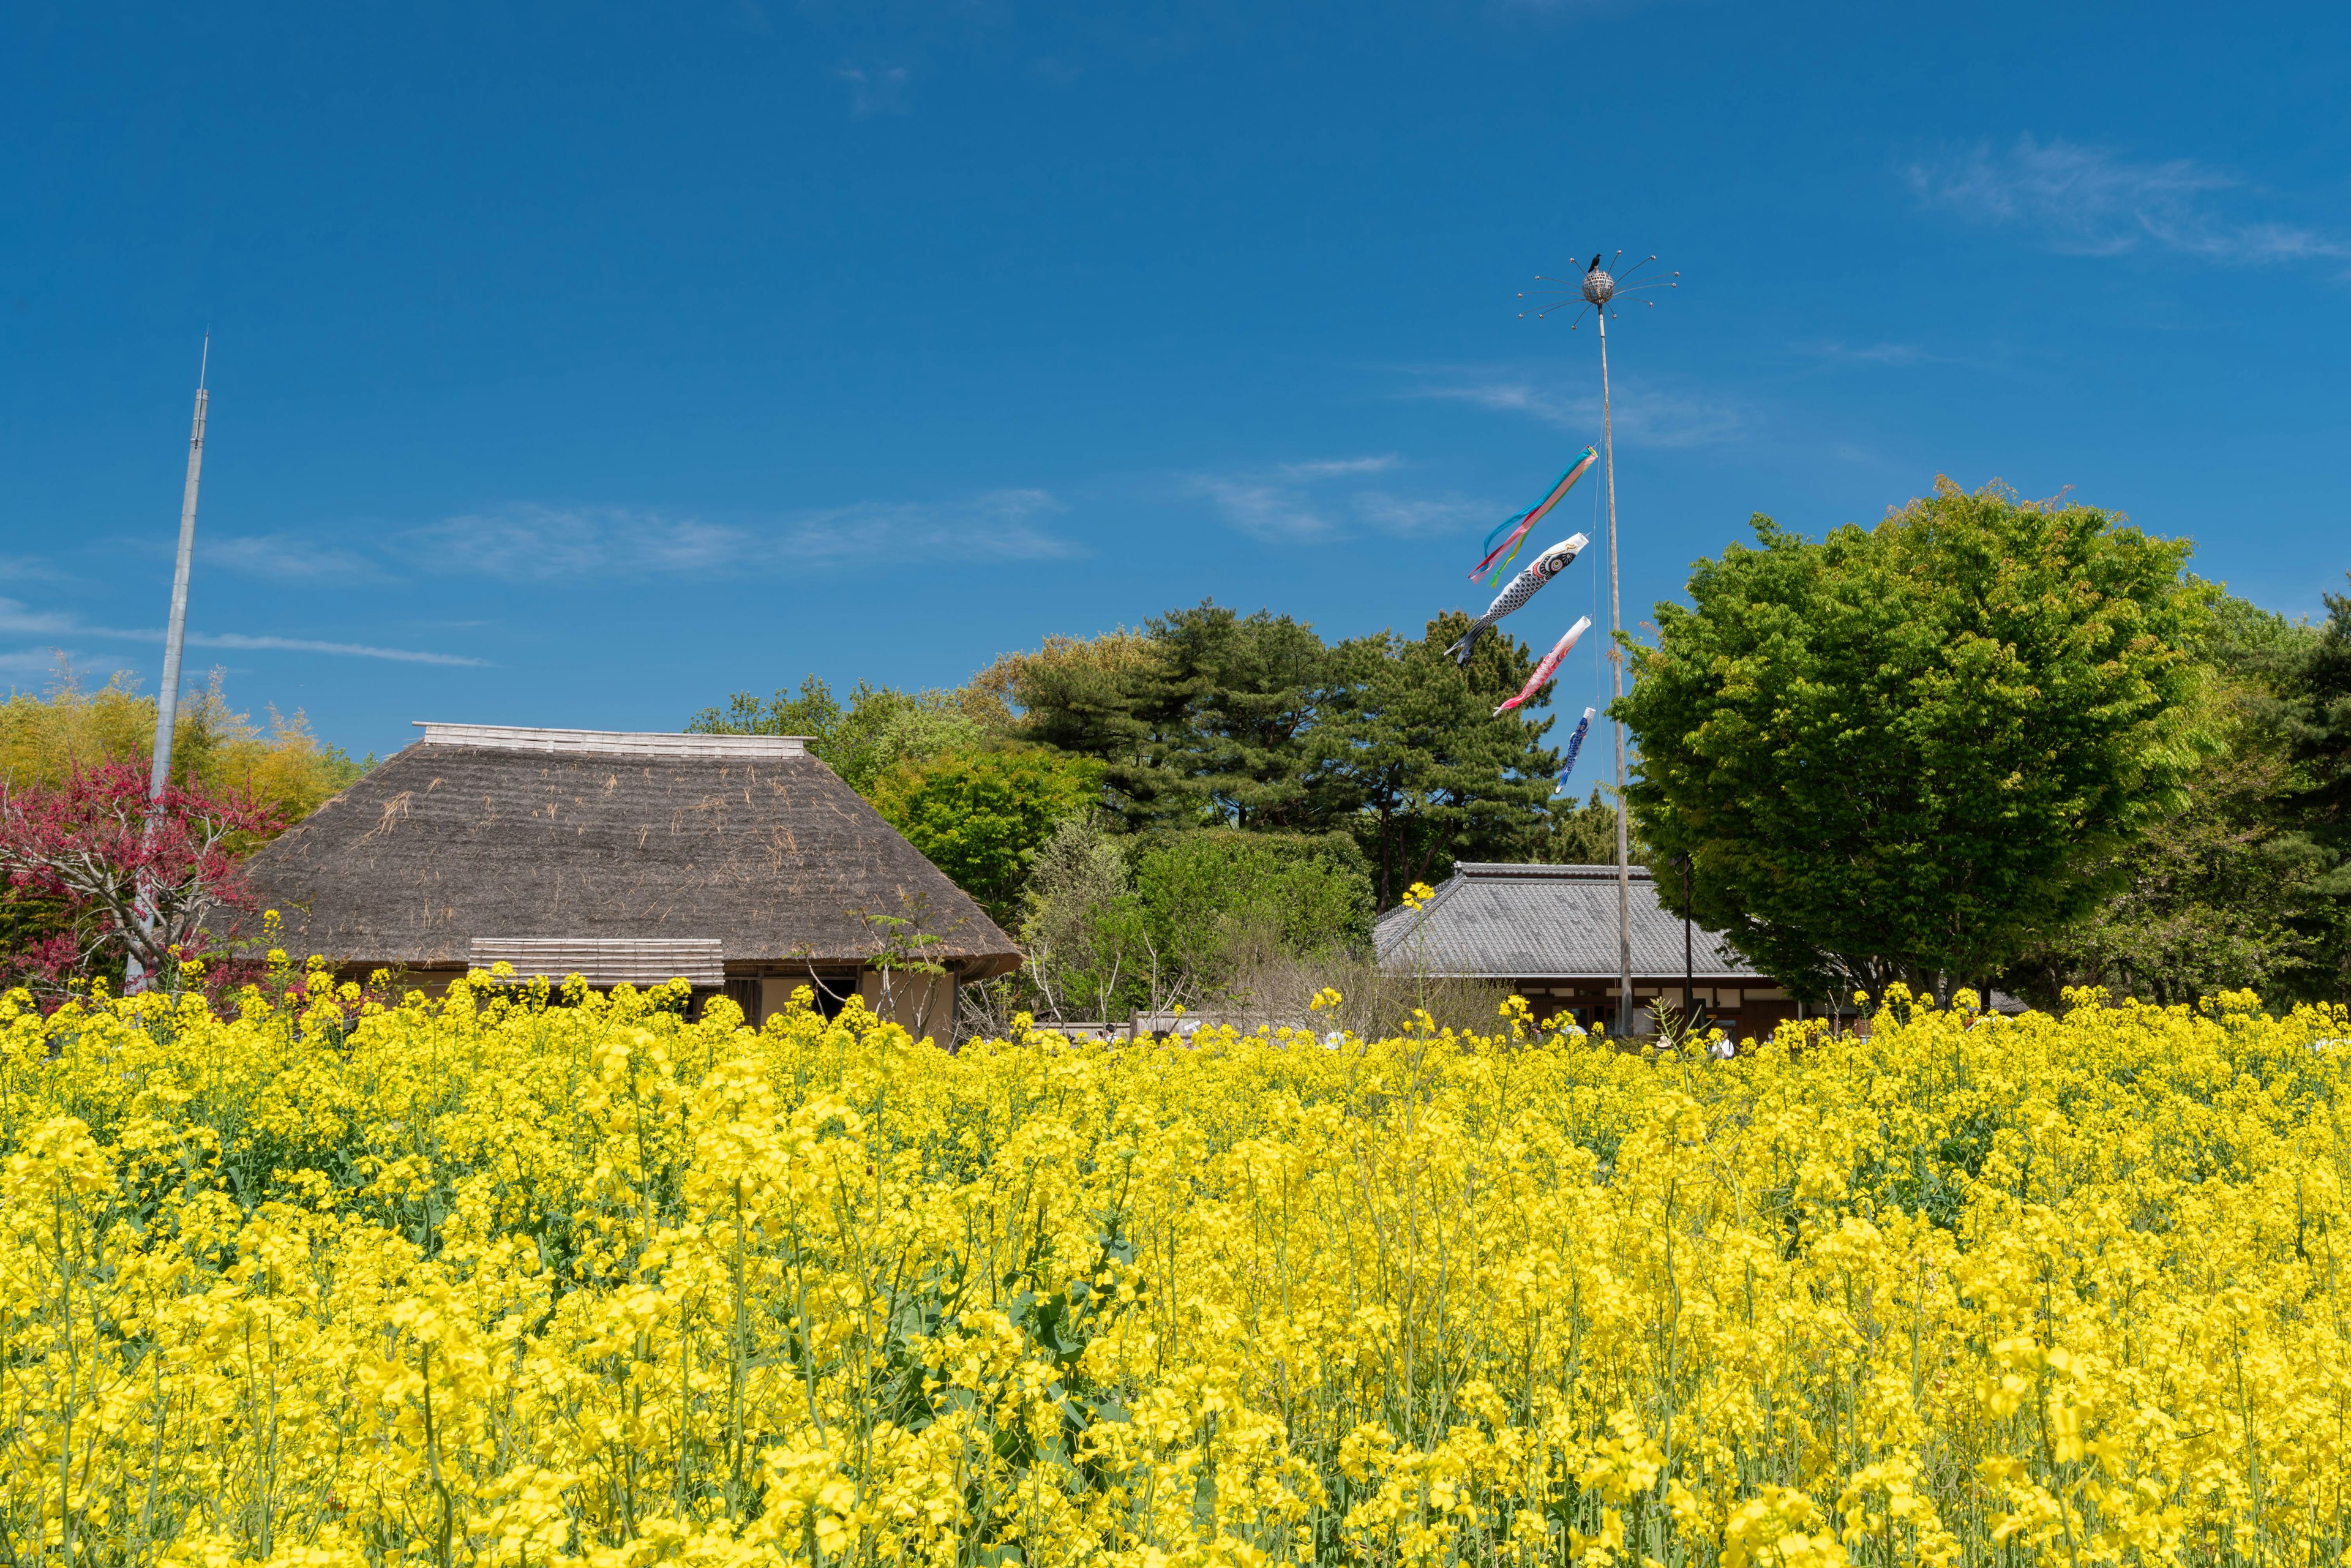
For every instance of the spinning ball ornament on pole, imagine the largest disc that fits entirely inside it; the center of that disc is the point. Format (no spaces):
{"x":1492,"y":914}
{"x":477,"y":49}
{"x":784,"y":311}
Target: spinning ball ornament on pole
{"x":1598,"y":292}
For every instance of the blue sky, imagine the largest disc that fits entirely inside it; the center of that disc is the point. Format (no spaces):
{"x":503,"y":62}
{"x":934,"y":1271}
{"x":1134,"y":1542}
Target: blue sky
{"x":578,"y":365}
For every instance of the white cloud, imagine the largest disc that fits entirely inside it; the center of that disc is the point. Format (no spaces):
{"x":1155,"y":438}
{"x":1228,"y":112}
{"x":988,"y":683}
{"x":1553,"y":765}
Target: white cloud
{"x":529,"y":542}
{"x":1305,"y":501}
{"x":1419,"y":514}
{"x":534,"y":542}
{"x":881,"y":91}
{"x":2089,"y":201}
{"x":36,"y":661}
{"x":289,"y":557}
{"x":1335,"y":468}
{"x":17,"y":620}
{"x":1644,"y":418}
{"x":1001,"y":524}
{"x":1868,"y":353}
{"x":1267,"y":511}
{"x":30,"y":568}
{"x":310,"y":645}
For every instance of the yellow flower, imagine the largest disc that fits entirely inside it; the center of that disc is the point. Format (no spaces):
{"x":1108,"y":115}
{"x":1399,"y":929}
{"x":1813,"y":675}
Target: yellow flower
{"x":567,"y":1277}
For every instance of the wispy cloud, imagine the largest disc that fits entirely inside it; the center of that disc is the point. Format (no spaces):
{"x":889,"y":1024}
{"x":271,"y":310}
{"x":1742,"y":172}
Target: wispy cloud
{"x":2092,"y":201}
{"x":1868,"y":353}
{"x":30,"y":568}
{"x":1336,"y":467}
{"x":1645,"y":418}
{"x":1407,"y":514}
{"x":289,"y":557}
{"x":310,"y":645}
{"x":1001,"y":524}
{"x":36,"y":661}
{"x":1266,"y":511}
{"x":882,"y":90}
{"x":18,"y":620}
{"x":540,"y":543}
{"x":1305,"y":501}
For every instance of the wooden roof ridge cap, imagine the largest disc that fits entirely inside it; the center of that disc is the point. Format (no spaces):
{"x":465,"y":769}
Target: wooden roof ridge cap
{"x":609,"y":742}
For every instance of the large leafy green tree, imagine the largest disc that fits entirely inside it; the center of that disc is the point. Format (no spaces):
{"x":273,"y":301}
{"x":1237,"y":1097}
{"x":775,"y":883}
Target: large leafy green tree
{"x":861,"y":739}
{"x":1911,"y":751}
{"x":981,"y":816}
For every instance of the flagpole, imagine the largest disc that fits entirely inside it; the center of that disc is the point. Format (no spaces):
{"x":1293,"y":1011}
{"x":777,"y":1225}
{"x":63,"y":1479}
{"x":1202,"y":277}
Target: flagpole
{"x":167,"y":700}
{"x":1616,"y":726}
{"x":1594,"y":291}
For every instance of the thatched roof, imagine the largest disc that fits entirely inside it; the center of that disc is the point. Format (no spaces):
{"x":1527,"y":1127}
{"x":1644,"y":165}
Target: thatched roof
{"x":495,"y":835}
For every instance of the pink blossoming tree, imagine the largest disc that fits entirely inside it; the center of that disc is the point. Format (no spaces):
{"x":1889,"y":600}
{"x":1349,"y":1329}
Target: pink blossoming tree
{"x":132,"y":878}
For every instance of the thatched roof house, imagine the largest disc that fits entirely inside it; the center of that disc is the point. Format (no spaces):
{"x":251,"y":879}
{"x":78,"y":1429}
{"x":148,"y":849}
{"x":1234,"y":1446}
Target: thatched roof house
{"x":737,"y":862}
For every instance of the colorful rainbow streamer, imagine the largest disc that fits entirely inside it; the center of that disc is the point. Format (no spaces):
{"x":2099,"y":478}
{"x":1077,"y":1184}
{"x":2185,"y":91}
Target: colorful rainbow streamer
{"x":1550,"y":662}
{"x":1498,"y":556}
{"x":1575,"y":745}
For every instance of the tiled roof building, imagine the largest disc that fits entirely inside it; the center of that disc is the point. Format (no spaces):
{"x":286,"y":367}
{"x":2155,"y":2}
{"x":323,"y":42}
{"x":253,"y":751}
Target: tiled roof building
{"x":1550,"y":932}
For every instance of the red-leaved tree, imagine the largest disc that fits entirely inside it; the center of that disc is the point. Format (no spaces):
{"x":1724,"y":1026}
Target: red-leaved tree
{"x":135,"y":878}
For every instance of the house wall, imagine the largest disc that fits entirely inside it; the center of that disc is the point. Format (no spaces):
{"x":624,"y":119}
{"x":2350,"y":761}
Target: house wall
{"x":922,"y":1005}
{"x":1741,"y":1010}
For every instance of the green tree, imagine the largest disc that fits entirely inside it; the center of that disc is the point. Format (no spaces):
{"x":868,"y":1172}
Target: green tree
{"x":1089,"y":955}
{"x":876,"y":730}
{"x":2225,"y":889}
{"x":1912,"y":751}
{"x":1116,"y":922}
{"x":2320,"y":725}
{"x":1245,"y":695}
{"x":1207,"y":718}
{"x":1433,"y":775}
{"x":2320,"y":729}
{"x":44,"y":740}
{"x":1584,"y":834}
{"x":981,"y":816}
{"x":1212,"y":897}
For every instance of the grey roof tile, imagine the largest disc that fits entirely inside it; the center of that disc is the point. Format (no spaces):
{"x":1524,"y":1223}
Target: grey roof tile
{"x":1528,"y":922}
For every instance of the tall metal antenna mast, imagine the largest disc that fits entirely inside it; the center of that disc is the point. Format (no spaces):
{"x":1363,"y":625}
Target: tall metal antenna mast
{"x":1594,"y":291}
{"x":167,"y":700}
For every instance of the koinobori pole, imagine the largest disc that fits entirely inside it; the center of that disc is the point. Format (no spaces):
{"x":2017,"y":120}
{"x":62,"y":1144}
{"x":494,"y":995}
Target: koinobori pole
{"x":175,"y":633}
{"x":1594,"y":290}
{"x":1615,"y":675}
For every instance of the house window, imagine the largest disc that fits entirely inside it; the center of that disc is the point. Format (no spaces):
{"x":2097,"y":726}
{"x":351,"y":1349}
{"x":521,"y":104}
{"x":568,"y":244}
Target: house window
{"x":743,"y":990}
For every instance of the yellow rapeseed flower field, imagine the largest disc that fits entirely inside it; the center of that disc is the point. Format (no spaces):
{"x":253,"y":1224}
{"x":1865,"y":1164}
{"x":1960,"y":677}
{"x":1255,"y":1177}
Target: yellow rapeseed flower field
{"x":519,"y":1279}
